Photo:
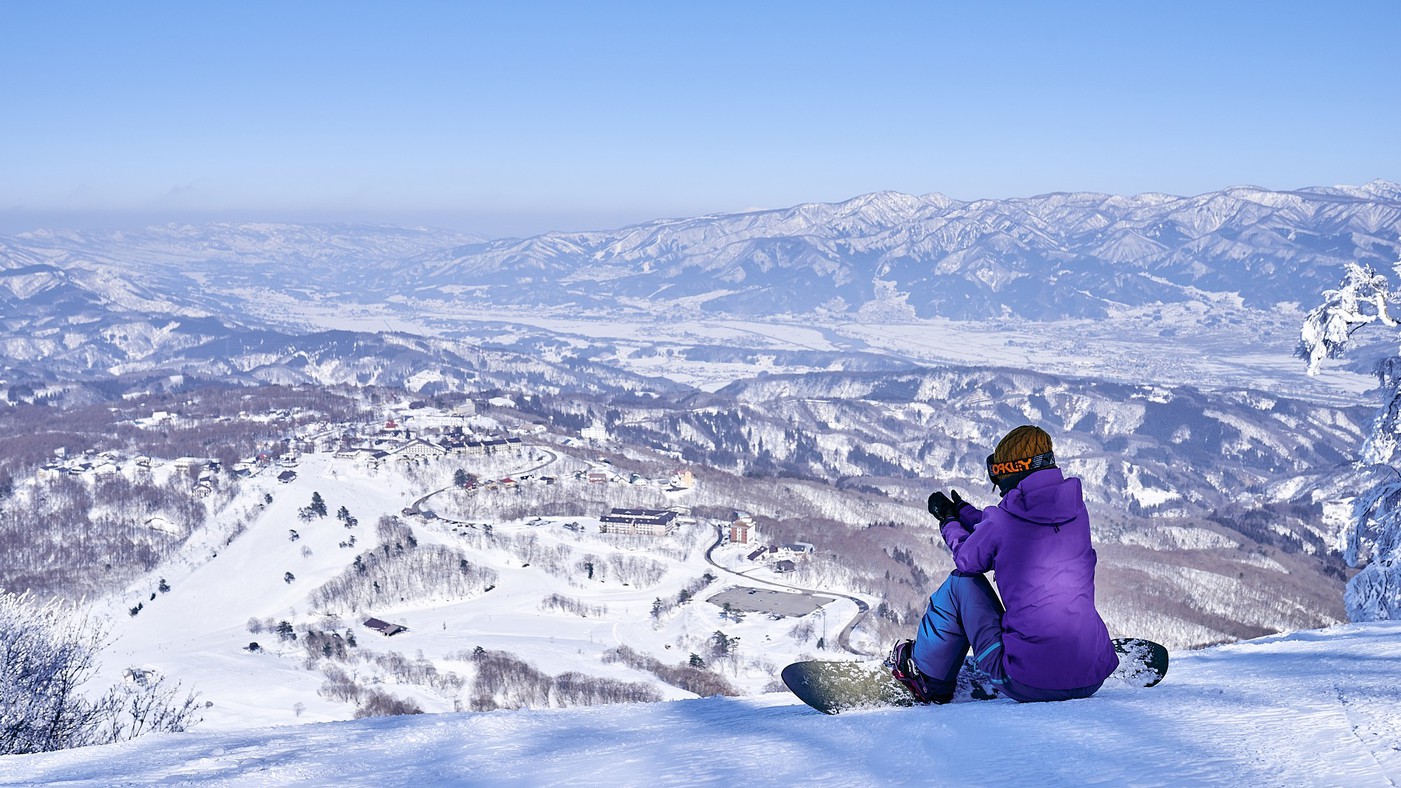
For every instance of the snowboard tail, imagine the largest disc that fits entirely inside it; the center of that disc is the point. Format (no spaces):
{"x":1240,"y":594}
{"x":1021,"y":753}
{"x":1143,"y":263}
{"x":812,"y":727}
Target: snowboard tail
{"x":833,"y":687}
{"x":1142,"y":663}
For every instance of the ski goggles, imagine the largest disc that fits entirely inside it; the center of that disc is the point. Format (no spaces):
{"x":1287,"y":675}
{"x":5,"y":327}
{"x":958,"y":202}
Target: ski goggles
{"x":998,"y":470}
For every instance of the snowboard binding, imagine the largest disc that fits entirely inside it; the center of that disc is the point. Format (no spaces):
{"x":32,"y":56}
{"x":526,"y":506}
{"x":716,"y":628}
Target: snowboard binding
{"x":901,"y":665}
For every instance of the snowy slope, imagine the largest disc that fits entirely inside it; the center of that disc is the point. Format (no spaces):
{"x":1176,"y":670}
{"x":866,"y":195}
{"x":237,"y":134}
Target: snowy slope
{"x":1310,"y":708}
{"x":234,"y":571}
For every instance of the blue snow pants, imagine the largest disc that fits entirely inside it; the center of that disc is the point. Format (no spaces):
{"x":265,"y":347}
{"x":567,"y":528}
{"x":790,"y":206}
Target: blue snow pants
{"x":964,"y":612}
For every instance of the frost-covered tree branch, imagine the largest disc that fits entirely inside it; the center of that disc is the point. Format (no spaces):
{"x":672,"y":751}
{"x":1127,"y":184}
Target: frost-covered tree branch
{"x":48,"y":653}
{"x":1360,"y":300}
{"x":1373,"y":539}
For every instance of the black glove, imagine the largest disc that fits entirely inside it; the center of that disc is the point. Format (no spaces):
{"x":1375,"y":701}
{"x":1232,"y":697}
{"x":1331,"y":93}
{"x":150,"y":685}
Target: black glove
{"x":941,"y":507}
{"x":958,"y":504}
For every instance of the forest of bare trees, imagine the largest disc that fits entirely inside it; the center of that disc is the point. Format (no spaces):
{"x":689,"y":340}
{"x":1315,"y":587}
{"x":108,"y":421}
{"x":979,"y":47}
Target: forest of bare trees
{"x":400,"y":572}
{"x":74,"y":536}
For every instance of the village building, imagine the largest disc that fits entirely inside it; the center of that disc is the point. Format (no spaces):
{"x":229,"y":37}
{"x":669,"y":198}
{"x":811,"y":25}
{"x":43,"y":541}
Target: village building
{"x":794,"y":548}
{"x":370,"y":458}
{"x":638,"y":522}
{"x":51,"y":473}
{"x":384,"y":627}
{"x":454,"y":447}
{"x":189,"y":464}
{"x":503,"y":444}
{"x":419,"y":449}
{"x":739,"y":532}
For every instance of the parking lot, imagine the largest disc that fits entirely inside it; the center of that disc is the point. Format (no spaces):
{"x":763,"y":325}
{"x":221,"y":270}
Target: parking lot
{"x":762,"y":600}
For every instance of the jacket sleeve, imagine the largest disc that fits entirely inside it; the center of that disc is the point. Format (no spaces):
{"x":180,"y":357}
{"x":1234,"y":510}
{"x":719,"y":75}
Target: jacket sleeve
{"x":973,"y":550}
{"x":969,"y":515}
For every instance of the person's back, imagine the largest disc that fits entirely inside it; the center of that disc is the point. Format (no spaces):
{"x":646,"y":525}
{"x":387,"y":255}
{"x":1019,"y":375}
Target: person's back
{"x":1045,"y":566}
{"x":1049,"y":643}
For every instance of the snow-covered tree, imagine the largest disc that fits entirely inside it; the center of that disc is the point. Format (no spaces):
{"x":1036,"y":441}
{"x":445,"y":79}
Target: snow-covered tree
{"x":1359,"y":301}
{"x":48,"y":653}
{"x":1374,"y":535}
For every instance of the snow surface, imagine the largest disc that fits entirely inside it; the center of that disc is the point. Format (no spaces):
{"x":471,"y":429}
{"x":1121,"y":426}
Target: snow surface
{"x":1310,"y":708}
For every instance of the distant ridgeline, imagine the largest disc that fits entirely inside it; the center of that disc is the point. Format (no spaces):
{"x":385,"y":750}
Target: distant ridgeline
{"x":1054,"y":255}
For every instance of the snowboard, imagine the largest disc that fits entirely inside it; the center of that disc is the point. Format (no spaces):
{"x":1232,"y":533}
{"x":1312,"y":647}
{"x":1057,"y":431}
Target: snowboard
{"x":833,"y":687}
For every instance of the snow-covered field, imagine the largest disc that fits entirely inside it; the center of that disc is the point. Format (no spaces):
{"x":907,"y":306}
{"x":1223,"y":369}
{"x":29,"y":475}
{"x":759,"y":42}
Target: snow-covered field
{"x":1310,"y":708}
{"x":1166,"y":344}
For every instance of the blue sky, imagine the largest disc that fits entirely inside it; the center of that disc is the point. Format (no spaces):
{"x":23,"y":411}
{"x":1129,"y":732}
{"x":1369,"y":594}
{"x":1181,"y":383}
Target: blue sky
{"x":522,"y":117}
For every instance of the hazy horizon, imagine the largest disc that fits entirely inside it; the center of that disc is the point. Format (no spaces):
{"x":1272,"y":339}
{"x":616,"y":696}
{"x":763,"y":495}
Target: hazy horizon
{"x":18,"y":222}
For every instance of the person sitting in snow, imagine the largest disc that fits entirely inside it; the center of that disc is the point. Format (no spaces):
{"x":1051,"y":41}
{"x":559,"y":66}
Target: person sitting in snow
{"x":1049,"y":642}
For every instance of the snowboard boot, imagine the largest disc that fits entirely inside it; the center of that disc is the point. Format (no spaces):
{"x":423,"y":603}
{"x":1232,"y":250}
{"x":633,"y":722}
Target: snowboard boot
{"x":901,"y":664}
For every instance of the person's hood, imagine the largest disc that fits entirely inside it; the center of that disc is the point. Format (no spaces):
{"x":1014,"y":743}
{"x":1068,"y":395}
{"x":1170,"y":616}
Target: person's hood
{"x":1045,"y":497}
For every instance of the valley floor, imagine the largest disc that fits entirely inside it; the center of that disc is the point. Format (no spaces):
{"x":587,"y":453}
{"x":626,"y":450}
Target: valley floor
{"x":1310,"y":708}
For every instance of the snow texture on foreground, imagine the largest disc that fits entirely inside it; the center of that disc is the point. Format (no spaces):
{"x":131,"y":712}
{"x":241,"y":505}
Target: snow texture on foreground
{"x":1311,"y":708}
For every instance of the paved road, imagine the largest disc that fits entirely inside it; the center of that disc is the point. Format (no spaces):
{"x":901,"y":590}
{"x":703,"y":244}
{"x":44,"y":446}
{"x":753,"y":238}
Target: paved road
{"x":843,"y":637}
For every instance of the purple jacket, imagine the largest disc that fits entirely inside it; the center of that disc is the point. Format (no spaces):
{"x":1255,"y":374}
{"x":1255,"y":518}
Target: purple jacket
{"x":1038,"y":543}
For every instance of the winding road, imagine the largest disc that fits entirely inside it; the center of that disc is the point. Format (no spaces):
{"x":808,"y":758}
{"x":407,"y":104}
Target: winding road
{"x":843,"y":637}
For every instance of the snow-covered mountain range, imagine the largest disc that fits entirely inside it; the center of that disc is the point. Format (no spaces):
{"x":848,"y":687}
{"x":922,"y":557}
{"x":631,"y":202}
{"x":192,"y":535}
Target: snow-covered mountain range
{"x":95,"y":304}
{"x":1056,"y":255}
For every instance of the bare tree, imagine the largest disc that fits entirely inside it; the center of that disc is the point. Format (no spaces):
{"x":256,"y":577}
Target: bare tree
{"x":47,"y":654}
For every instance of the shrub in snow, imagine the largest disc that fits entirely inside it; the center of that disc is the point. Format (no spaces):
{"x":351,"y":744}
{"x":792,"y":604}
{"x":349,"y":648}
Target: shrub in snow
{"x":691,"y":676}
{"x":48,"y":653}
{"x":382,"y":704}
{"x":575,"y":606}
{"x":1374,"y":535}
{"x":504,"y":681}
